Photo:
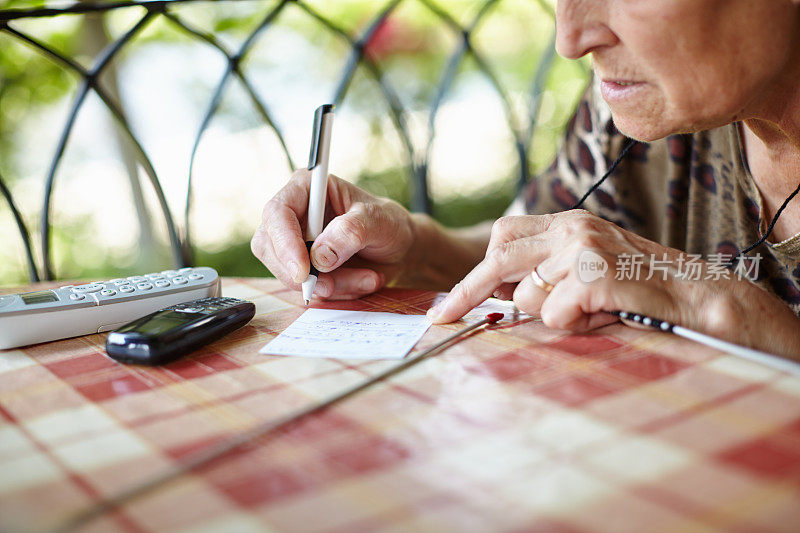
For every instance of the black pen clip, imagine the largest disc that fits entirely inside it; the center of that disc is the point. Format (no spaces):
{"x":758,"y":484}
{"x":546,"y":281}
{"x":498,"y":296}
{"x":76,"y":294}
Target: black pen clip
{"x":313,"y":157}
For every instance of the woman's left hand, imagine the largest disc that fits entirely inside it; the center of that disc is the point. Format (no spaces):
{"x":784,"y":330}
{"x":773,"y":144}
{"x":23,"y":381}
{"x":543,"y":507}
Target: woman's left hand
{"x":595,"y":266}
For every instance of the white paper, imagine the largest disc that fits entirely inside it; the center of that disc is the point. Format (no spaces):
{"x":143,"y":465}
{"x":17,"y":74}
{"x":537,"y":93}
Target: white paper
{"x":349,"y":335}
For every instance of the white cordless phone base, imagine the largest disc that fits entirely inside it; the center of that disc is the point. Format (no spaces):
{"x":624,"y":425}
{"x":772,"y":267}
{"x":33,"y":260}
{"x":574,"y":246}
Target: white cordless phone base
{"x":74,"y":310}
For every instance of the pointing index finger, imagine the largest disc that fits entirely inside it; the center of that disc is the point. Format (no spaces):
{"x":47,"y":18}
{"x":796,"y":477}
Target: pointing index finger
{"x":508,"y":263}
{"x":467,"y":294}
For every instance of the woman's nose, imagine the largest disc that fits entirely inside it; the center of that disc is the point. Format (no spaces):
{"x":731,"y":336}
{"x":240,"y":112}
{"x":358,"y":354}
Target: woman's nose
{"x":581,"y":27}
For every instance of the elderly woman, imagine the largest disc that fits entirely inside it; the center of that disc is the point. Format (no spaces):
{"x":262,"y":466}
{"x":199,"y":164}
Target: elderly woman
{"x":710,"y":91}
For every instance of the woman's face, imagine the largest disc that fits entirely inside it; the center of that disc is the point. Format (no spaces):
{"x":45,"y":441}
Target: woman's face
{"x":679,"y":66}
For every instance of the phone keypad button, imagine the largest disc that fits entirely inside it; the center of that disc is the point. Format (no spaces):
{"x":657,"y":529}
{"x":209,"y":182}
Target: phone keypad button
{"x":162,"y":283}
{"x":180,"y":280}
{"x":89,"y":287}
{"x":144,"y":286}
{"x":108,"y":292}
{"x":77,"y":296}
{"x":154,"y":276}
{"x":126,"y":288}
{"x":195,"y":276}
{"x":137,"y":279}
{"x":170,"y":273}
{"x":185,"y":270}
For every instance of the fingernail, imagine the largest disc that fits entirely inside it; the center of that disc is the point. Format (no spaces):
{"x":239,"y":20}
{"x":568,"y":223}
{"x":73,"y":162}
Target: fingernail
{"x":367,"y":284}
{"x":434,"y":311}
{"x":324,"y":256}
{"x":294,"y":269}
{"x":497,"y":293}
{"x":322,"y":288}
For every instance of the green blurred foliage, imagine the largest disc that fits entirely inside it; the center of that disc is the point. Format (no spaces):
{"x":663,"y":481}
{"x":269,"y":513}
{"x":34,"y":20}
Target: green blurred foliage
{"x":26,"y":83}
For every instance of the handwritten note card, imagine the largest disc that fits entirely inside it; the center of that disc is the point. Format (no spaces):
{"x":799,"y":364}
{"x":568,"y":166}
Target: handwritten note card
{"x":349,"y":335}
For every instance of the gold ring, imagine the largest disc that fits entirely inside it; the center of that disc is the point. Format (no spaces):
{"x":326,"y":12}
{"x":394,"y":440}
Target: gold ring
{"x":539,"y":282}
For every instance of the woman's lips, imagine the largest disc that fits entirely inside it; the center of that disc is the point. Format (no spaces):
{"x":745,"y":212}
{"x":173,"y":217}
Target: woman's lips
{"x":618,"y":90}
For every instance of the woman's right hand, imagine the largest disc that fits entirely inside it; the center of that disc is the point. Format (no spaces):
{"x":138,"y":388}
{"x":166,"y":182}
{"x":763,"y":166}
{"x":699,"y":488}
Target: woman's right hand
{"x":364,"y":244}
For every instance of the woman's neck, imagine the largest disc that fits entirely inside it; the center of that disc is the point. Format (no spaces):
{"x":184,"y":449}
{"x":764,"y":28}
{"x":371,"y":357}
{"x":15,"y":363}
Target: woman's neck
{"x":771,"y":136}
{"x":773,"y":155}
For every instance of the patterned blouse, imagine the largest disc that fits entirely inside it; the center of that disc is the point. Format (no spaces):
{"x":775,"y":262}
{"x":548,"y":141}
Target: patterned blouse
{"x":690,"y":192}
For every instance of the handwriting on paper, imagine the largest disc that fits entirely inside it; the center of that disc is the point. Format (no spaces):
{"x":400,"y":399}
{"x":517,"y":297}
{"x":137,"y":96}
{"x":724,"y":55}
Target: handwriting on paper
{"x":349,"y":335}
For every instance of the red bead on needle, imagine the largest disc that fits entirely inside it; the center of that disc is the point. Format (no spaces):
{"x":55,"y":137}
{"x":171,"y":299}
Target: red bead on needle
{"x":494,"y":318}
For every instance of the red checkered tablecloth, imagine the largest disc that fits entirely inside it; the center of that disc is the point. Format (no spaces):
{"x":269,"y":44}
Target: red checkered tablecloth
{"x":518,"y":428}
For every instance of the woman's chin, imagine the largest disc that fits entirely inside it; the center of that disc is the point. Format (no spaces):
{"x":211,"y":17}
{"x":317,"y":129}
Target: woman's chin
{"x":652,"y":122}
{"x":641,"y":129}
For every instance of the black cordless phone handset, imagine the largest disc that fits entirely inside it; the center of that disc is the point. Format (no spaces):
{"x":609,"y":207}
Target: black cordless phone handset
{"x":174,"y":331}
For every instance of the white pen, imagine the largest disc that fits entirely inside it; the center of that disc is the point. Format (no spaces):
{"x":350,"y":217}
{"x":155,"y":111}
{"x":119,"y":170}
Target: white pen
{"x":318,"y":193}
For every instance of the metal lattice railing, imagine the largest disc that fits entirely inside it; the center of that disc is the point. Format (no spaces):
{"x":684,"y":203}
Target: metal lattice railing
{"x":180,"y":241}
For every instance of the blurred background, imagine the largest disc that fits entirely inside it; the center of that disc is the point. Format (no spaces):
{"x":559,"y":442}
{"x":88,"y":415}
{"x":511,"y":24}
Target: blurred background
{"x":447,"y":106}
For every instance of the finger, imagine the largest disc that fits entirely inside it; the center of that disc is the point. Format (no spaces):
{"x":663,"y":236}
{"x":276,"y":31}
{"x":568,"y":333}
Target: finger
{"x":598,"y":320}
{"x":507,"y":229}
{"x":506,"y":264}
{"x":286,"y":238}
{"x":376,"y":230}
{"x":569,"y":307}
{"x":529,"y":297}
{"x":579,"y":306}
{"x":280,"y":229}
{"x":559,"y":265}
{"x":348,"y":283}
{"x":290,"y":206}
{"x":505,"y":291}
{"x":342,"y":238}
{"x":262,"y":249}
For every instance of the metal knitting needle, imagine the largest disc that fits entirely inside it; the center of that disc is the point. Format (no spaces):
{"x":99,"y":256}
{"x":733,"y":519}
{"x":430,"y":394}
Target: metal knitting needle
{"x":213,"y":452}
{"x":773,"y":361}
